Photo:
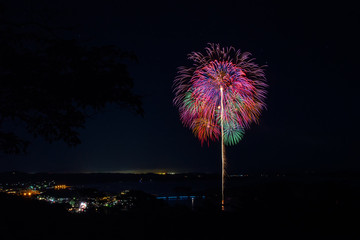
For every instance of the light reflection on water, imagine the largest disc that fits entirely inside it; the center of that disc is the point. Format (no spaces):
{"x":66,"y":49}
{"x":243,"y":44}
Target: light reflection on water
{"x":190,"y":194}
{"x":158,"y":188}
{"x":190,"y":201}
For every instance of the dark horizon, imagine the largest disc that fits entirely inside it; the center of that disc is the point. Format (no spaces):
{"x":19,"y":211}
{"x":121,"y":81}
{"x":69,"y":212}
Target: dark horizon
{"x":257,"y":173}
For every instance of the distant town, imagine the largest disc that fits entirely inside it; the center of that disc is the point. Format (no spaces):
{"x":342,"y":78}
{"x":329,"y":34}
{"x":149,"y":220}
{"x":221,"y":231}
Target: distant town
{"x":75,"y":200}
{"x":71,"y":191}
{"x":78,"y":199}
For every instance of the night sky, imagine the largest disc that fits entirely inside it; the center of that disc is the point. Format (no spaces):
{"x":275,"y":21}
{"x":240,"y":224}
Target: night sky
{"x":312,"y":105}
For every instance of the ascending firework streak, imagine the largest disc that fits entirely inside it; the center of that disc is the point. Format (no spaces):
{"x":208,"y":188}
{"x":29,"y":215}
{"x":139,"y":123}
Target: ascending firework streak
{"x":221,"y":94}
{"x":223,"y":156}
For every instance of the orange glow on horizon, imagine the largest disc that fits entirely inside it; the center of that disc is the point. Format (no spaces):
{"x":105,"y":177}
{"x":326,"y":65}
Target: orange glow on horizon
{"x":62,"y":186}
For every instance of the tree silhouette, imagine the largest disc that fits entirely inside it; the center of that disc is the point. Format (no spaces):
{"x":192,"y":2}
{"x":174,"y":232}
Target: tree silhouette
{"x":51,"y":85}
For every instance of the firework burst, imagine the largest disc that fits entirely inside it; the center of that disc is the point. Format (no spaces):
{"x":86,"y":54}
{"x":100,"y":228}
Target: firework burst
{"x":197,"y":93}
{"x":220,"y":95}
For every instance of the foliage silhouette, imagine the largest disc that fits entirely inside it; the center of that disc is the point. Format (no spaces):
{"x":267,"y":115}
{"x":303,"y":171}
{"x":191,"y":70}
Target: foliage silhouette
{"x":51,"y":85}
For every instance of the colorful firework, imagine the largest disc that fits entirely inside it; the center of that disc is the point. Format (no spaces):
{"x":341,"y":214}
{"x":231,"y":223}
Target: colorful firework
{"x":198,"y":97}
{"x":220,"y":95}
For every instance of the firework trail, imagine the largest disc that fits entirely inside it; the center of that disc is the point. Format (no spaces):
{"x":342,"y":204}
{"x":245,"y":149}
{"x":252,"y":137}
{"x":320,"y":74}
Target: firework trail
{"x":220,"y":95}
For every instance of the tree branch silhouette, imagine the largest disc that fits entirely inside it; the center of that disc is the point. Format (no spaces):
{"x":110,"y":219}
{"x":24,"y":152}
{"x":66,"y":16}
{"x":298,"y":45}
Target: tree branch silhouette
{"x":52,"y":85}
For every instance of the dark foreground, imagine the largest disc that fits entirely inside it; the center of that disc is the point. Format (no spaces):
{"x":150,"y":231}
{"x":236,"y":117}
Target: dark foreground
{"x":275,"y":210}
